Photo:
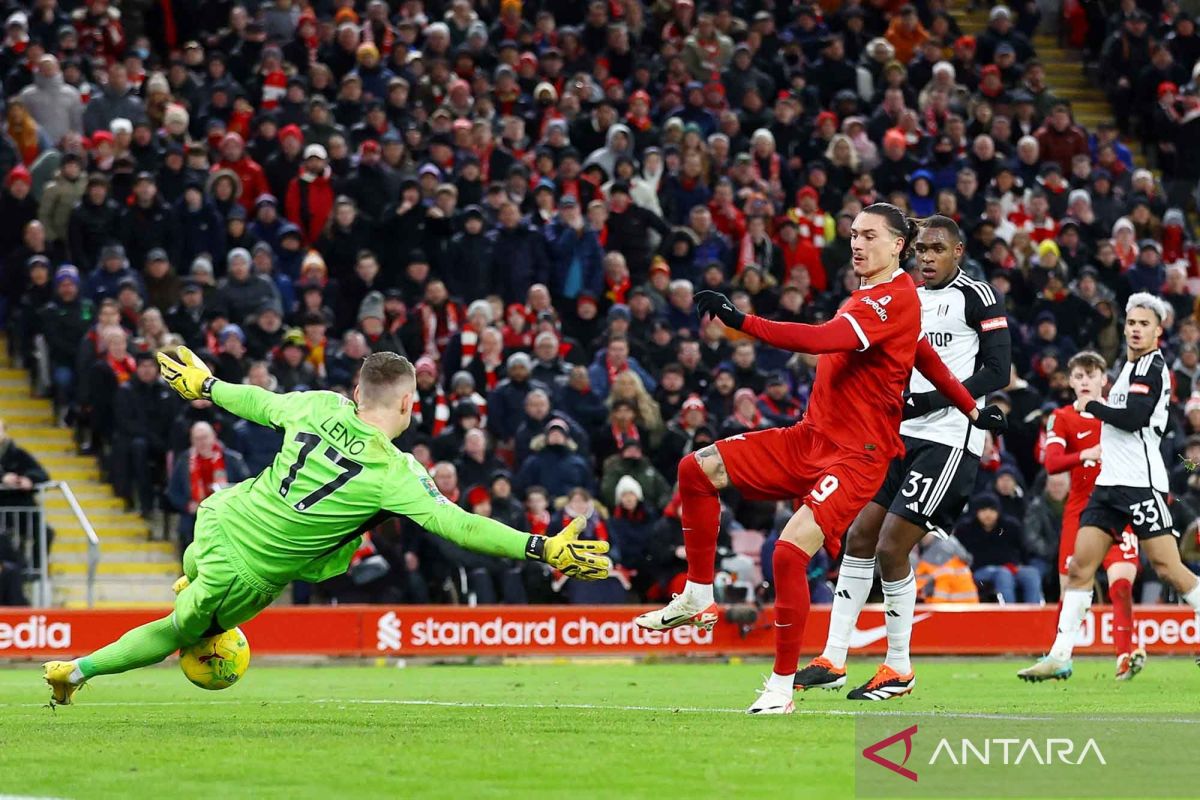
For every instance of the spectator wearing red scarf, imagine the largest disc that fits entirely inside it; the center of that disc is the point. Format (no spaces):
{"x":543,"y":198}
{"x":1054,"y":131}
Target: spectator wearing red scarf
{"x":204,"y":469}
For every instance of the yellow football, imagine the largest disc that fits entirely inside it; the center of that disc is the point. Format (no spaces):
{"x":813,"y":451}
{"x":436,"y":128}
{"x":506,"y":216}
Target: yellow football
{"x":217,"y":662}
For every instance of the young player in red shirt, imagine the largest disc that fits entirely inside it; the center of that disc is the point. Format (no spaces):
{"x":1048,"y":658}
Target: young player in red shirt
{"x":1073,"y":443}
{"x":836,"y":457}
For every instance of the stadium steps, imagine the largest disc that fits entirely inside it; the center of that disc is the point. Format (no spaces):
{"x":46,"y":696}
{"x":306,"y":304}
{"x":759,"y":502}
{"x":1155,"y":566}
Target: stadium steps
{"x":134,"y":572}
{"x":1065,"y":74}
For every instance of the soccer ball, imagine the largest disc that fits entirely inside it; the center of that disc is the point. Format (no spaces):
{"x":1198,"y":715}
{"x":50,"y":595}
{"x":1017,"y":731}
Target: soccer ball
{"x":217,"y":662}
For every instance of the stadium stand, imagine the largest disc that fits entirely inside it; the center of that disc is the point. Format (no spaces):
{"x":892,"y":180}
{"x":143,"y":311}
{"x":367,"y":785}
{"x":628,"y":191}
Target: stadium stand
{"x":522,"y":197}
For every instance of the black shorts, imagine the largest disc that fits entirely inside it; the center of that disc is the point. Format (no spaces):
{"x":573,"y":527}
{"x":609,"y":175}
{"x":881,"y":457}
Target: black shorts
{"x":1111,"y":508}
{"x":930,"y":485}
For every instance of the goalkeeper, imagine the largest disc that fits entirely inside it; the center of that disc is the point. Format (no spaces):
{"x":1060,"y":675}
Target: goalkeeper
{"x":337,"y":476}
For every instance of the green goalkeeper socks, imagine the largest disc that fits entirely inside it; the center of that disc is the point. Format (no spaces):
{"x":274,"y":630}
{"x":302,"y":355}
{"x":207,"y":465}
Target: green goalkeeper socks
{"x":140,"y":647}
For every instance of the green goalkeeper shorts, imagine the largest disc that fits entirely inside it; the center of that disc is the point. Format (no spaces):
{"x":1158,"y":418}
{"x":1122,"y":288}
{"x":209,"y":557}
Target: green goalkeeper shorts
{"x":222,"y":592}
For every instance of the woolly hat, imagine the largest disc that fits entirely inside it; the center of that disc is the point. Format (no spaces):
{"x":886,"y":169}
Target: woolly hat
{"x":628,"y":483}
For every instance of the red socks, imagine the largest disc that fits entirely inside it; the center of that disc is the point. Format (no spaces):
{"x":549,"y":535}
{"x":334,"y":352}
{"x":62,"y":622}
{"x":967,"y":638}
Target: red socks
{"x":1121,"y":594}
{"x":791,"y":604}
{"x":701,"y":518}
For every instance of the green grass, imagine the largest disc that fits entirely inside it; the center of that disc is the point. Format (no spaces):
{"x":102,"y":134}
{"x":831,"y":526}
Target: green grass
{"x":362,"y":731}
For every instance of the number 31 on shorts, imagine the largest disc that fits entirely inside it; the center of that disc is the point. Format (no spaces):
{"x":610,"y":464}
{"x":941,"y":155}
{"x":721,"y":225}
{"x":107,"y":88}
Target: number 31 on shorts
{"x":827,"y":486}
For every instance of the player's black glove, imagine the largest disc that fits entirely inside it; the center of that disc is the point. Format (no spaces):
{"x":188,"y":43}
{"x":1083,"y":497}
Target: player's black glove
{"x":991,"y":418}
{"x":715,"y":304}
{"x":918,"y":405}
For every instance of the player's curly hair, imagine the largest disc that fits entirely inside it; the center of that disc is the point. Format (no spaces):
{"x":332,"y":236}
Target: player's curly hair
{"x":904,"y":227}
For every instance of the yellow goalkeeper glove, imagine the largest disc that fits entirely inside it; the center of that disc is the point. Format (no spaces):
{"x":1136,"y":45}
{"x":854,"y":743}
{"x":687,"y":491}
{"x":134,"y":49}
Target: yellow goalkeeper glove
{"x":191,"y":379}
{"x":575,"y":559}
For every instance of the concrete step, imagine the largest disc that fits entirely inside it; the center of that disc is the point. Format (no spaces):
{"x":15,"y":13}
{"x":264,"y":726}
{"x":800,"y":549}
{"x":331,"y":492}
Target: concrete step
{"x":53,"y":462}
{"x":26,"y":431}
{"x":116,"y":549}
{"x":14,"y":389}
{"x":119,"y":604}
{"x":99,"y":512}
{"x":30,"y":416}
{"x":106,"y":534}
{"x":95,"y":504}
{"x":160,"y":569}
{"x":10,"y":403}
{"x":9,"y":372}
{"x":115,"y":592}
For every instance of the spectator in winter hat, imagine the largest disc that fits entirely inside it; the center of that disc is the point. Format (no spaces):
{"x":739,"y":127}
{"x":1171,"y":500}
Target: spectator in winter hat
{"x":242,"y":292}
{"x":310,"y":194}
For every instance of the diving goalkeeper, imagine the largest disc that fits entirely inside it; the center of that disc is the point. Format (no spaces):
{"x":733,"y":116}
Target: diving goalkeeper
{"x":337,"y":476}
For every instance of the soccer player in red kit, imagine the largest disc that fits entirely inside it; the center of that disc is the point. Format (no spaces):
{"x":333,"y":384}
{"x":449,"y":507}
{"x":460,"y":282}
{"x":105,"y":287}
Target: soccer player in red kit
{"x":836,"y":457}
{"x":1073,"y":443}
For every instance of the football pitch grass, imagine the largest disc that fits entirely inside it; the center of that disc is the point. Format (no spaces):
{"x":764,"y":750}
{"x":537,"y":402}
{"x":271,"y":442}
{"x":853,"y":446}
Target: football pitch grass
{"x":526,"y":730}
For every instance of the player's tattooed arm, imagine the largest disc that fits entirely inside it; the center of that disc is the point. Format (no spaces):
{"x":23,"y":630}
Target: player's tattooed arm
{"x":713,"y":466}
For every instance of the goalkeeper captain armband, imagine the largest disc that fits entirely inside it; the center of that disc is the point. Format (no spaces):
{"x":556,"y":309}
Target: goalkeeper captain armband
{"x":535,"y":548}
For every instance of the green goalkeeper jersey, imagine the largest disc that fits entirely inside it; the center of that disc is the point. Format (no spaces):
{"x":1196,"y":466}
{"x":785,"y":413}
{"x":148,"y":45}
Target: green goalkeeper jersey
{"x":335,"y":478}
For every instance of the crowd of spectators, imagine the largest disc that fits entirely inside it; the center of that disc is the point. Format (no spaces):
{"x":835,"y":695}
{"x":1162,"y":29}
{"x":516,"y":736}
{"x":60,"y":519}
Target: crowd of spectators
{"x":522,"y":197}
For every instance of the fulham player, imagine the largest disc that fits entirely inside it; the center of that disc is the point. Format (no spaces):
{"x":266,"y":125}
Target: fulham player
{"x":928,"y":487}
{"x":836,"y":457}
{"x":1131,"y":489}
{"x":1073,"y":444}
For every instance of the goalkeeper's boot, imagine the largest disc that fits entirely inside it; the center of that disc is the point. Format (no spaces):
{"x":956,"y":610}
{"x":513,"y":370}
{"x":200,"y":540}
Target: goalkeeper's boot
{"x":772,"y":701}
{"x":1130,"y":664}
{"x":886,"y":684}
{"x":682,"y":610}
{"x":181,"y":584}
{"x":820,"y":673}
{"x":58,"y":676}
{"x":1046,"y":669}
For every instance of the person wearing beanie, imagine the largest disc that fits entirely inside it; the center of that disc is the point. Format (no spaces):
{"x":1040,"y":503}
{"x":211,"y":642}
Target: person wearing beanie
{"x":373,"y":323}
{"x":284,"y":163}
{"x":235,"y":159}
{"x":310,"y":195}
{"x":631,"y":464}
{"x":17,"y":207}
{"x":242,"y":292}
{"x":994,"y":541}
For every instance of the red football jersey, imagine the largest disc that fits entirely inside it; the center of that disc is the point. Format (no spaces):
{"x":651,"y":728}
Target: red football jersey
{"x":857,"y":399}
{"x":1070,"y":432}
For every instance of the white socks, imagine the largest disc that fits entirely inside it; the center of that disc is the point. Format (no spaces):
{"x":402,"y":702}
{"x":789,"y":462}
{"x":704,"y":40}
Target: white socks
{"x":1192,"y":598}
{"x":699,"y":595}
{"x":76,"y":676}
{"x":1075,"y":605}
{"x":780,"y":683}
{"x":853,"y":587}
{"x":899,"y":602}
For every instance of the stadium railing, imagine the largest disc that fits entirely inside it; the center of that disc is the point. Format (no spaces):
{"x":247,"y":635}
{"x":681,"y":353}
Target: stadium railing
{"x":33,"y":533}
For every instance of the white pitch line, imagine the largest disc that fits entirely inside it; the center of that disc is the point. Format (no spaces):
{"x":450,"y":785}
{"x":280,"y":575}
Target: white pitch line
{"x":832,"y":712}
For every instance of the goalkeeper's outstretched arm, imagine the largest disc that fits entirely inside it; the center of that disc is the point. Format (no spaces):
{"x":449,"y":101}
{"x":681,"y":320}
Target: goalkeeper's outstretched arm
{"x":479,"y":534}
{"x":191,"y":378}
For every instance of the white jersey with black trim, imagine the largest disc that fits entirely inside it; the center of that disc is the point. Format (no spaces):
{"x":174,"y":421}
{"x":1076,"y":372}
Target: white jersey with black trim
{"x":953,"y":317}
{"x":1134,"y":458}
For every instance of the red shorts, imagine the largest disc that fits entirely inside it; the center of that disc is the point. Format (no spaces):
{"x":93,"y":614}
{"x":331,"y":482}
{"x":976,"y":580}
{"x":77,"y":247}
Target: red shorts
{"x":1126,"y":551}
{"x":800,"y":463}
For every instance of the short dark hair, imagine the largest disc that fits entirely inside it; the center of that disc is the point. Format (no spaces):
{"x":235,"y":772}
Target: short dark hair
{"x":940,"y":222}
{"x":381,"y":371}
{"x":1088,"y":361}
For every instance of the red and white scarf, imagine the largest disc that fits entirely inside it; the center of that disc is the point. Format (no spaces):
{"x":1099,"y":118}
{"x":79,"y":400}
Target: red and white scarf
{"x":206,"y":473}
{"x":441,"y":412}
